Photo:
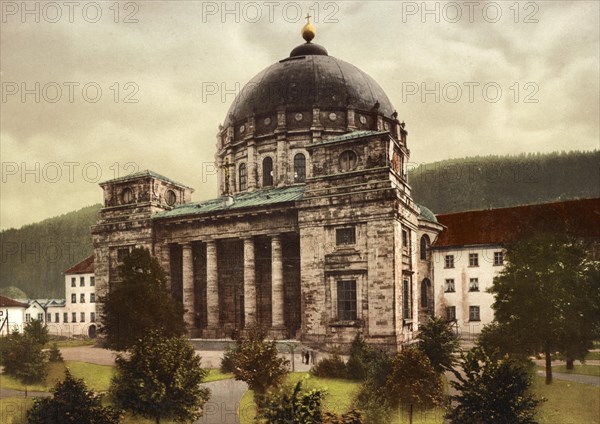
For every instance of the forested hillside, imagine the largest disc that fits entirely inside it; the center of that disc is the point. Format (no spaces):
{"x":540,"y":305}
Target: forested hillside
{"x":35,"y":256}
{"x":499,"y":181}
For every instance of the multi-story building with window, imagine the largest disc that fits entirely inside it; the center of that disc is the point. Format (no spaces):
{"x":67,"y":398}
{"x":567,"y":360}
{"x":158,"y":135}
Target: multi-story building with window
{"x":470,"y":252}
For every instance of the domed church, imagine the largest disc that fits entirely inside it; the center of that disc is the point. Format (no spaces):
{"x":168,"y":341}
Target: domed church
{"x":314,"y":236}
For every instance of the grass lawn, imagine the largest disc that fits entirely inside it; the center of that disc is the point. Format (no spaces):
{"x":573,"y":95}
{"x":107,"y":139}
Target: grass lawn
{"x":593,"y":356}
{"x":215,"y":374}
{"x":568,"y":402}
{"x":339,"y":397}
{"x":579,"y":369}
{"x":14,"y":410}
{"x":97,"y":377}
{"x":72,"y":342}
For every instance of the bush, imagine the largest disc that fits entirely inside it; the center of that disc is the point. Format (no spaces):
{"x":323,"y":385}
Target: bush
{"x":227,"y":364}
{"x":360,"y":356}
{"x":54,"y":354}
{"x":293,"y":406}
{"x":332,"y":367}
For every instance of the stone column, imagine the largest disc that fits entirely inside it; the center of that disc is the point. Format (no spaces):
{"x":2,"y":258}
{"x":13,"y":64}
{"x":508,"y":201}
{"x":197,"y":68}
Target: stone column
{"x":249,"y":283}
{"x":188,"y":287}
{"x":277,"y":293}
{"x":212,"y":289}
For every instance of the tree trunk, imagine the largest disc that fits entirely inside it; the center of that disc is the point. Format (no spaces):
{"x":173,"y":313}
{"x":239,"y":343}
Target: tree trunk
{"x":410,"y":413}
{"x":548,"y":367}
{"x":157,"y":420}
{"x":570,"y":364}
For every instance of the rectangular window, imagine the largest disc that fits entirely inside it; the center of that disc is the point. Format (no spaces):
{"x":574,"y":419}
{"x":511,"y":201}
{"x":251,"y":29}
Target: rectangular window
{"x":56,"y":317}
{"x":474,"y":313}
{"x":449,"y":287}
{"x":473,"y":259}
{"x":81,"y":281}
{"x":450,"y":313}
{"x":406,"y":299}
{"x":346,"y":302}
{"x":92,"y":316}
{"x":345,"y":236}
{"x":73,"y":281}
{"x":92,"y":281}
{"x":73,"y":298}
{"x":82,"y":318}
{"x":49,"y":318}
{"x":65,"y":317}
{"x":404,"y":239}
{"x":82,"y":298}
{"x":74,"y":317}
{"x":27,"y":317}
{"x":474,"y":284}
{"x":449,"y":261}
{"x":40,"y":317}
{"x":498,"y":258}
{"x":92,"y":297}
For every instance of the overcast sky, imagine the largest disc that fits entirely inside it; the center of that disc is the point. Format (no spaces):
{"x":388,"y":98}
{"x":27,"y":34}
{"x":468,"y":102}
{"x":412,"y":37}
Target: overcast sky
{"x":132,"y":83}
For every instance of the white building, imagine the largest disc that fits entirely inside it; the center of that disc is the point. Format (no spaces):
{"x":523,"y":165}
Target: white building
{"x":35,"y":311}
{"x":12,"y":315}
{"x":79,"y":313}
{"x":469,"y":253}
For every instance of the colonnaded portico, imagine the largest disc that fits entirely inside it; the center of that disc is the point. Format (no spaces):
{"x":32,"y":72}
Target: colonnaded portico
{"x":229,"y":284}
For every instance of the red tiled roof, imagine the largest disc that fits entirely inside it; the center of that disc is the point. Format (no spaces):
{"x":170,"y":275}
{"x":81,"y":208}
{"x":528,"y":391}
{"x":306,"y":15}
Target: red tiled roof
{"x":500,"y":226}
{"x":7,"y":302}
{"x":84,"y":267}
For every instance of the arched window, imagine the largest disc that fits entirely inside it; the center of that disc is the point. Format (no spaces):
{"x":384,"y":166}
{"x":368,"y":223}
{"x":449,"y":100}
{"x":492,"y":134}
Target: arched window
{"x":267,"y":169}
{"x":243,"y":182}
{"x":424,"y":248}
{"x":299,"y":168}
{"x":425,"y":286}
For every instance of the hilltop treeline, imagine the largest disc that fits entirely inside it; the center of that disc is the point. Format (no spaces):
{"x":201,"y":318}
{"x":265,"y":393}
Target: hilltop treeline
{"x":35,"y":256}
{"x":484,"y":182}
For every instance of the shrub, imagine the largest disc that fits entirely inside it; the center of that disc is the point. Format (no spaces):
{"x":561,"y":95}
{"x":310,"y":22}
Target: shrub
{"x":332,"y":367}
{"x":358,"y":363}
{"x":54,"y":354}
{"x":227,"y":364}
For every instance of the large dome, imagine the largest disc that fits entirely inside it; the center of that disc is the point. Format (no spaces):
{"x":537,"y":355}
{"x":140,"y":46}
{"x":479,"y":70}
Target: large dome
{"x":309,"y":78}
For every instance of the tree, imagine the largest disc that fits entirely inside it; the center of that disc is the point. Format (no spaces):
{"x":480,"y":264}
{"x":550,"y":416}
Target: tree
{"x":492,"y":391}
{"x":54,"y":354}
{"x":439,"y":343}
{"x":160,"y":379}
{"x":257,"y":363}
{"x":358,"y":361}
{"x":23,"y":356}
{"x":413,"y":382}
{"x":139,"y":303}
{"x":37,"y":331}
{"x":546,"y":297}
{"x":71,"y":403}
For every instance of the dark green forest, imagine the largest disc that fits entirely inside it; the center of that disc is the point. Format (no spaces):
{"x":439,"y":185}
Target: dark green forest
{"x":484,"y":182}
{"x":35,"y":256}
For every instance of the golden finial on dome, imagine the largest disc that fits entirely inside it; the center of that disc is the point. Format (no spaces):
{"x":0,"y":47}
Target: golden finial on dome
{"x":308,"y":30}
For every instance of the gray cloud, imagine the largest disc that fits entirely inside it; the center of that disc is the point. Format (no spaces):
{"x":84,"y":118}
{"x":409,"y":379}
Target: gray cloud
{"x":173,"y":51}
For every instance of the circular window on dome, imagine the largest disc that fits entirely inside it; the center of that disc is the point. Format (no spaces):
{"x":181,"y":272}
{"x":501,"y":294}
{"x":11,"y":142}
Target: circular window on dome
{"x":298,"y":117}
{"x":386,"y":126}
{"x":170,"y":197}
{"x":363,"y":119}
{"x":332,"y":116}
{"x":127,"y":195}
{"x":348,"y":160}
{"x":267,"y":121}
{"x":242,"y":128}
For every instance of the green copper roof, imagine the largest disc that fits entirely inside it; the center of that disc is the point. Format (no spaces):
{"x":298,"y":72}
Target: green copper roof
{"x":243,"y":200}
{"x":350,"y":136}
{"x":141,"y":174}
{"x":426,"y":214}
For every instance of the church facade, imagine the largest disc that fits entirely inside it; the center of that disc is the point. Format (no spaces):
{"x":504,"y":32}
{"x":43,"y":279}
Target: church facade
{"x":315,"y":235}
